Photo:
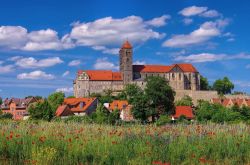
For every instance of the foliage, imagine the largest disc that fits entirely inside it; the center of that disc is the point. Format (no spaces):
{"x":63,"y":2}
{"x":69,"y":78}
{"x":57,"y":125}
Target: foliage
{"x":78,"y":119}
{"x":130,"y":92}
{"x":114,"y":117}
{"x":206,"y":111}
{"x":105,"y":97}
{"x":74,"y":143}
{"x":160,"y":96}
{"x":55,"y":100}
{"x":163,"y":120}
{"x":204,"y":85}
{"x":223,"y":86}
{"x":6,"y":116}
{"x":41,"y":110}
{"x":185,"y":101}
{"x":71,"y":97}
{"x":101,"y":115}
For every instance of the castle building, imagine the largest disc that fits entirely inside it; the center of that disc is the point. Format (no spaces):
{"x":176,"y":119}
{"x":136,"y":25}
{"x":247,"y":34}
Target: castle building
{"x":182,"y":76}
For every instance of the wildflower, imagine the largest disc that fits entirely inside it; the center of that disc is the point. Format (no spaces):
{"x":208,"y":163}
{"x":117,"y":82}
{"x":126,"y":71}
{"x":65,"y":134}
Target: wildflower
{"x":202,"y":160}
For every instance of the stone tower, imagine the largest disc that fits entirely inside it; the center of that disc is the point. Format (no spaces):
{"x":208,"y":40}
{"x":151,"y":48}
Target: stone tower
{"x":126,"y":62}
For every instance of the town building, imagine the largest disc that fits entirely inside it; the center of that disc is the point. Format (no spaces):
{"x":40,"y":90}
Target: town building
{"x":229,"y":102}
{"x":77,"y":106}
{"x":123,"y":107}
{"x":17,"y":107}
{"x":182,"y":76}
{"x":186,"y":111}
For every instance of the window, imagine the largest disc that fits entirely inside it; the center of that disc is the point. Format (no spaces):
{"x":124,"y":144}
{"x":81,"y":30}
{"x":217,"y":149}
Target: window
{"x":81,"y":105}
{"x":173,"y":76}
{"x":179,"y":76}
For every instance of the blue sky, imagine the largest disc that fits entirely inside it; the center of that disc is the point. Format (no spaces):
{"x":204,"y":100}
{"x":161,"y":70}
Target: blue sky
{"x":44,"y":42}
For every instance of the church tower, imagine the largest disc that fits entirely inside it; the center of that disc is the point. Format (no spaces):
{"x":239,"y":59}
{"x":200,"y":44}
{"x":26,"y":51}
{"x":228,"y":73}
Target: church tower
{"x":126,"y":62}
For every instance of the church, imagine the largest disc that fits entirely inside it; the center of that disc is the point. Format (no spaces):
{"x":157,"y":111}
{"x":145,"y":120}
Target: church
{"x":182,"y":76}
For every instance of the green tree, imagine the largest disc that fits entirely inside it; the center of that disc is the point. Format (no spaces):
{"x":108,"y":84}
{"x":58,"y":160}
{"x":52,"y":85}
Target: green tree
{"x":130,"y":92}
{"x":223,"y":86}
{"x":140,"y":108}
{"x":185,"y":101}
{"x":55,"y":100}
{"x":6,"y":116}
{"x":160,"y":96}
{"x":101,"y":115}
{"x":1,"y":101}
{"x":41,"y":110}
{"x":71,"y":97}
{"x":204,"y":85}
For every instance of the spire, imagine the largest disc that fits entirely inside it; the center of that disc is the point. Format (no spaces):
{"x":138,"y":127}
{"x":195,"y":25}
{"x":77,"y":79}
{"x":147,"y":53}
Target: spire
{"x":127,"y":45}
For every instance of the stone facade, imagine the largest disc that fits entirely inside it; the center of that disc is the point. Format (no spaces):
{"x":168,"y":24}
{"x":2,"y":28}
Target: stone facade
{"x":179,"y":76}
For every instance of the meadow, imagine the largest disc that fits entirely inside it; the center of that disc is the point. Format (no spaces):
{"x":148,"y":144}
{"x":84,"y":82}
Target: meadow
{"x":43,"y":143}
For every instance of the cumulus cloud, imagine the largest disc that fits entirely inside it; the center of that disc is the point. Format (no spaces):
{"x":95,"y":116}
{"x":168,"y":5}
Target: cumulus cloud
{"x":35,"y":75}
{"x":192,"y":10}
{"x":200,"y":11}
{"x":209,"y":57}
{"x":31,"y":62}
{"x":108,"y":33}
{"x":17,"y":37}
{"x":139,"y":62}
{"x":210,"y":14}
{"x":205,"y":32}
{"x":74,"y":63}
{"x":65,"y":89}
{"x":103,"y":63}
{"x":159,"y":21}
{"x":66,"y":73}
{"x":6,"y":69}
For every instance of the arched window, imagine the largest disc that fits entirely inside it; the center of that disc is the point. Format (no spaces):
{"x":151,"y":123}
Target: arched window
{"x":173,"y":76}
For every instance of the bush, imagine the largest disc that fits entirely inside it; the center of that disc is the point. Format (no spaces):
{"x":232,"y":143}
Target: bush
{"x":164,"y":119}
{"x":78,"y":119}
{"x":6,"y":116}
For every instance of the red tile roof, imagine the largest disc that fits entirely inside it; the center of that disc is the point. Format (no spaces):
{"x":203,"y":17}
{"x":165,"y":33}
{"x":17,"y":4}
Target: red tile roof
{"x":63,"y":110}
{"x":102,"y":75}
{"x":151,"y":68}
{"x":127,"y":45}
{"x":118,"y":104}
{"x":184,"y":110}
{"x":186,"y":67}
{"x":75,"y":106}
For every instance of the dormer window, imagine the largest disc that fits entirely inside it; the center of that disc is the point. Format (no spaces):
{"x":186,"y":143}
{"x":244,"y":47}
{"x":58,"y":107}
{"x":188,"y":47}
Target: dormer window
{"x":81,"y":105}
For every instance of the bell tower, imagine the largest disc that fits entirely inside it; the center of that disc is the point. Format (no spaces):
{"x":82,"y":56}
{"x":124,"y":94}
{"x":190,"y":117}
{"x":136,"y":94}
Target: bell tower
{"x":126,"y":62}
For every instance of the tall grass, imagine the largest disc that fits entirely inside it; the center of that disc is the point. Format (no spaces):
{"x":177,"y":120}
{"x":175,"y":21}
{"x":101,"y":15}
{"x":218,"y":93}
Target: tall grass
{"x":77,"y":143}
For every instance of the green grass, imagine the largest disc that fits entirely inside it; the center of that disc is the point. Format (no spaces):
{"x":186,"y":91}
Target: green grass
{"x":78,"y":143}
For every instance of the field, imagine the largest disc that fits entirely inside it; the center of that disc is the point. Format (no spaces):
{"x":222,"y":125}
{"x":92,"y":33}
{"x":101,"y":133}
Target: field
{"x":78,"y":143}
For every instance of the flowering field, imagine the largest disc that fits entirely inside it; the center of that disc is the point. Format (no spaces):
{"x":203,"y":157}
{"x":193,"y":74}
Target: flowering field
{"x":78,"y":143}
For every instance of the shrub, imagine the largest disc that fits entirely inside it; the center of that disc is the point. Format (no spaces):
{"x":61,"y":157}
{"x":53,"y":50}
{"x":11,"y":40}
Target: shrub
{"x":164,"y":119}
{"x":6,"y":116}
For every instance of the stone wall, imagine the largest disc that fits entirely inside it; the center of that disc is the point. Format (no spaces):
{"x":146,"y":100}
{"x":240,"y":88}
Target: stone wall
{"x":196,"y":95}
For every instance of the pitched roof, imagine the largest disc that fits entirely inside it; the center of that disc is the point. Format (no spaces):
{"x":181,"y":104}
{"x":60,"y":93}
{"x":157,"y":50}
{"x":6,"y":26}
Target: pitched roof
{"x":163,"y":68}
{"x":79,"y":104}
{"x":20,"y":102}
{"x":152,"y":68}
{"x":127,"y":45}
{"x":186,"y":67}
{"x":118,"y":104}
{"x":183,"y":110}
{"x":102,"y":75}
{"x":63,"y":110}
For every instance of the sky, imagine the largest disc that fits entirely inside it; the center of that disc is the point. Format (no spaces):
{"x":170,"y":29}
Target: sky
{"x":44,"y":42}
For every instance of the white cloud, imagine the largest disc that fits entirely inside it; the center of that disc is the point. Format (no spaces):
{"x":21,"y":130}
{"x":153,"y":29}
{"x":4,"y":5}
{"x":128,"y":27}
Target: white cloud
{"x":15,"y":58}
{"x":13,"y":37}
{"x":45,"y":40}
{"x":35,"y":75}
{"x":6,"y":69}
{"x":139,"y":62}
{"x":187,"y":21}
{"x":108,"y":33}
{"x":192,"y":10}
{"x":103,"y":63}
{"x":210,"y":14}
{"x":65,"y":90}
{"x":209,"y":57}
{"x":66,"y":73}
{"x":206,"y":31}
{"x":1,"y":62}
{"x":248,"y":66}
{"x":31,"y":62}
{"x":74,"y":63}
{"x":159,"y":21}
